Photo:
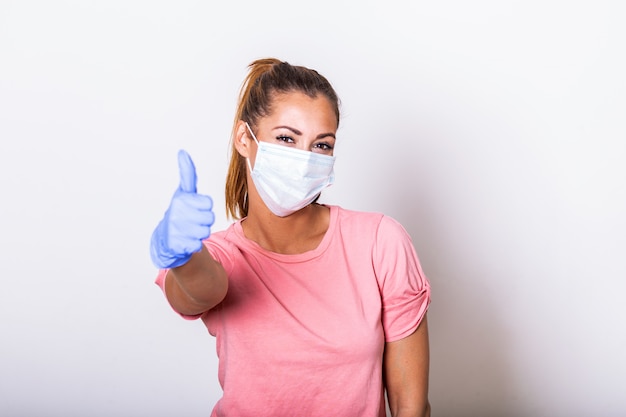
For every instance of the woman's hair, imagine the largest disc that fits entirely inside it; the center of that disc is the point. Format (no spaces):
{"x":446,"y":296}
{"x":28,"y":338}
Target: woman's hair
{"x":267,"y":78}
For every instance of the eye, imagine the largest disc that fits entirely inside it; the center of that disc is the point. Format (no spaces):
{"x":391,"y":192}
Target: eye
{"x":284,"y":138}
{"x":323,"y":146}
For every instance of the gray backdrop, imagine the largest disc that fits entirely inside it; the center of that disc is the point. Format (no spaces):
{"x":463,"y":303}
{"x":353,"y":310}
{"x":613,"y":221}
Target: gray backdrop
{"x":493,"y":130}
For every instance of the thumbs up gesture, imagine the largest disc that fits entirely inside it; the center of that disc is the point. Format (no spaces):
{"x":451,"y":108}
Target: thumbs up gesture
{"x":186,"y":222}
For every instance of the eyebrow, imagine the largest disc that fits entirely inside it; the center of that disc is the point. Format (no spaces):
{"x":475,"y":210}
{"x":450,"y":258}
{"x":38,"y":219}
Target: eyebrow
{"x":297,"y":132}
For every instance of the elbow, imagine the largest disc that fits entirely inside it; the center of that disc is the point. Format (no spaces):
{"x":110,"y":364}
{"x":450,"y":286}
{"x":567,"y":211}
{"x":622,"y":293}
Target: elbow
{"x":427,"y":410}
{"x":195,"y":299}
{"x":206,"y":300}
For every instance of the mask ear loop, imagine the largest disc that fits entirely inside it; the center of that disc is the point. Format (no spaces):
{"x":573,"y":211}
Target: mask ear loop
{"x":257,"y":143}
{"x":251,"y":132}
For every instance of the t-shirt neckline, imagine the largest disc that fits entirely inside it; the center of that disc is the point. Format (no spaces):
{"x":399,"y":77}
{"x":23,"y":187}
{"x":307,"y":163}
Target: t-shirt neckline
{"x":299,"y":257}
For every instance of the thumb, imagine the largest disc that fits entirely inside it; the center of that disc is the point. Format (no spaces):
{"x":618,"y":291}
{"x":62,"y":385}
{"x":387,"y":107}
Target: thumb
{"x":187,"y":170}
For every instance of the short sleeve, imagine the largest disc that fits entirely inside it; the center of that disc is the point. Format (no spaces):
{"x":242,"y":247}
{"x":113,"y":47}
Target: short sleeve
{"x":405,"y":290}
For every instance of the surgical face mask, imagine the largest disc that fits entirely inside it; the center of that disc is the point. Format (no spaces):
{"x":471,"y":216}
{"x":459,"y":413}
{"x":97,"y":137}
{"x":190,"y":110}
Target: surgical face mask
{"x":289,"y":179}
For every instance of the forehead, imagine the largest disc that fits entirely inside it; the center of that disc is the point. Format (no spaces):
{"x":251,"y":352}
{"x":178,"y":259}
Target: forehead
{"x":298,"y":107}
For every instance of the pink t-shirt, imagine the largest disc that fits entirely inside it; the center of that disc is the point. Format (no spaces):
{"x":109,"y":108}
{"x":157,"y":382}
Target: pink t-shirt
{"x":304,"y":334}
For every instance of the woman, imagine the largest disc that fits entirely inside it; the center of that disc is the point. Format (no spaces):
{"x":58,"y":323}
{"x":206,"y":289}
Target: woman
{"x":317,"y":310}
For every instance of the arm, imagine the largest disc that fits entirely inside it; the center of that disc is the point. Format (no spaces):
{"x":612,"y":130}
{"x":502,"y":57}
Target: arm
{"x":405,"y":367}
{"x":195,"y":281}
{"x":196,"y":286}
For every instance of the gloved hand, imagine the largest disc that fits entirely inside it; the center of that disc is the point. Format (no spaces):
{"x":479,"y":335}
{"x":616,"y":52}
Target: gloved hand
{"x":186,"y":222}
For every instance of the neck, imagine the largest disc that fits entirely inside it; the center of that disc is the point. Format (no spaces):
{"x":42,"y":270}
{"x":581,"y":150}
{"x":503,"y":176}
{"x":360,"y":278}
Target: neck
{"x":299,"y":232}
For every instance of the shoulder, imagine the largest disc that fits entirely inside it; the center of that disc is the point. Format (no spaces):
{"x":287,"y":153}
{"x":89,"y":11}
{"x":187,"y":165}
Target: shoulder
{"x":373,"y":231}
{"x":364,"y":221}
{"x":222,"y":238}
{"x":347,"y":217}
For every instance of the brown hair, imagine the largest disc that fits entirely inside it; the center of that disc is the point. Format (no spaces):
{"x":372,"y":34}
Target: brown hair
{"x":266,"y":78}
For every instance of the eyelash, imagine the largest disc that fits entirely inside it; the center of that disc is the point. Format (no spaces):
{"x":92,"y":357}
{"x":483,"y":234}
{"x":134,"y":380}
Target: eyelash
{"x":322,"y":145}
{"x":283,"y":138}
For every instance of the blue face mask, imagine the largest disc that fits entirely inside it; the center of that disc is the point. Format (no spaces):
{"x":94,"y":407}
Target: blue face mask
{"x":289,"y":179}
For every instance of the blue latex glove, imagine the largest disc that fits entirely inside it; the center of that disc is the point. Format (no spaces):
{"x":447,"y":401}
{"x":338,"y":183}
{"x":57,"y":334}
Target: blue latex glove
{"x":186,"y":223}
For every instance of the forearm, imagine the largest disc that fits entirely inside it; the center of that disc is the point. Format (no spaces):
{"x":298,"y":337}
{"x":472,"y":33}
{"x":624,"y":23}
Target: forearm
{"x":404,"y":412}
{"x":406,"y":366}
{"x":198,"y":285}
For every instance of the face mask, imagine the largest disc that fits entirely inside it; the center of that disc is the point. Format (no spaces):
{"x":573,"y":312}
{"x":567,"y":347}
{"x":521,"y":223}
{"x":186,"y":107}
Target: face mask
{"x":289,"y":179}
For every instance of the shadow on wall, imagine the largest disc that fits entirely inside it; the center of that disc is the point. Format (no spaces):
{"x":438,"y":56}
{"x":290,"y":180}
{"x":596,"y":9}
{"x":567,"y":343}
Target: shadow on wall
{"x":471,"y":370}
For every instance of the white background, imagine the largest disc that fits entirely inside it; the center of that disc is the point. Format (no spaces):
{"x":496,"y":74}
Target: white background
{"x":494,"y":130}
